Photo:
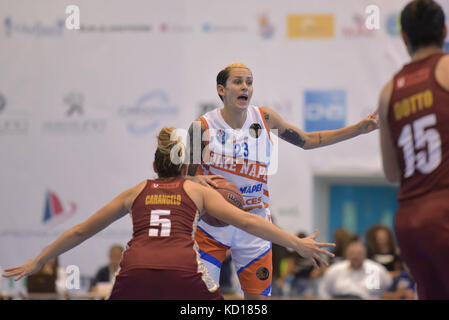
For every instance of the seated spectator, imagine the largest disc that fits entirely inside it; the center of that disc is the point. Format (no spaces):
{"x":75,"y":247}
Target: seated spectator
{"x":382,"y":248}
{"x":341,"y":238}
{"x":403,"y":287}
{"x":106,"y":274}
{"x":49,"y":279}
{"x":297,"y":274}
{"x":356,"y":277}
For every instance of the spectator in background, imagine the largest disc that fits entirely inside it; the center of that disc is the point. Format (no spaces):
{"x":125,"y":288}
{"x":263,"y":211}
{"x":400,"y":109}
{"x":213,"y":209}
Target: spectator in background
{"x":49,"y":279}
{"x":106,"y":274}
{"x":296,"y":278}
{"x":356,"y":277}
{"x":341,"y":238}
{"x":382,"y":248}
{"x":403,"y":287}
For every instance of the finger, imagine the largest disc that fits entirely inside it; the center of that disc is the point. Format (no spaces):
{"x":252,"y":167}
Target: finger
{"x":216,"y":176}
{"x":11,"y":269}
{"x":321,"y":260}
{"x":212,"y":183}
{"x":12,"y":273}
{"x":330,"y":254}
{"x":326,"y":244}
{"x":314,"y":235}
{"x":19,"y":277}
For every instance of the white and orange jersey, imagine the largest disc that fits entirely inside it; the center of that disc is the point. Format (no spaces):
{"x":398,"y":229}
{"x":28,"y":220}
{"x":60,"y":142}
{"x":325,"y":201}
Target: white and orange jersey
{"x":242,"y":156}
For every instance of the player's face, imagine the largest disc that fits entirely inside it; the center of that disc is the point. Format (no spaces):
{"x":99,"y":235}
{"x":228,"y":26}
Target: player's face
{"x":239,"y":88}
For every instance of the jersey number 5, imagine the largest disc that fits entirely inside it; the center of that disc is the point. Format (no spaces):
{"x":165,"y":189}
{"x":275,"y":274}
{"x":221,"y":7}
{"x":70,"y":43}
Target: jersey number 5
{"x":157,"y":223}
{"x":424,"y":161}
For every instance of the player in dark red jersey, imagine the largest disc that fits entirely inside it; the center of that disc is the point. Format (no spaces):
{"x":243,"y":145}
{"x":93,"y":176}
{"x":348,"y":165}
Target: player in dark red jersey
{"x":414,"y":130}
{"x":161,"y":260}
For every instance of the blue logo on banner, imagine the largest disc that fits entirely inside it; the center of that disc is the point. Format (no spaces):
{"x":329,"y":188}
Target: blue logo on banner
{"x":324,"y":110}
{"x":446,"y":47}
{"x":393,"y":24}
{"x":149,"y":113}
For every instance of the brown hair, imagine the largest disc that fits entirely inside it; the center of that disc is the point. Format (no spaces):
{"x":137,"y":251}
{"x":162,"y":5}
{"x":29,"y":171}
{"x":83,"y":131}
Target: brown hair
{"x":170,"y":153}
{"x":370,"y":236}
{"x":223,"y":75}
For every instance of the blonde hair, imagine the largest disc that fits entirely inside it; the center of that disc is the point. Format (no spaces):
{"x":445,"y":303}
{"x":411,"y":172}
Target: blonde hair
{"x":170,"y":154}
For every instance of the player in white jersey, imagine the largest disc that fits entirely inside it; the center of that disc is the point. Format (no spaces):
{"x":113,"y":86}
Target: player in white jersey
{"x":235,"y":142}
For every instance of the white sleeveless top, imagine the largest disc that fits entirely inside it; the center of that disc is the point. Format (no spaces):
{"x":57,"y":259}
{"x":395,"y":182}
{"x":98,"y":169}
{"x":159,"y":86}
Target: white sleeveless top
{"x":242,"y":156}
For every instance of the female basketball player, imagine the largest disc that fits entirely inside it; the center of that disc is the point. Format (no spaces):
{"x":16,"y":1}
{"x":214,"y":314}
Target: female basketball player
{"x":162,"y":259}
{"x":414,"y":131}
{"x":248,"y":128}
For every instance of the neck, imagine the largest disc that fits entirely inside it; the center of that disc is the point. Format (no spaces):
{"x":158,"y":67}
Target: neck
{"x":425,"y":52}
{"x":234,"y":117}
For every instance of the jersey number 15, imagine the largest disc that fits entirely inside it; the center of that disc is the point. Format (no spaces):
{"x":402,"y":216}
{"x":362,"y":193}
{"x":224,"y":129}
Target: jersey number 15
{"x":426,"y":160}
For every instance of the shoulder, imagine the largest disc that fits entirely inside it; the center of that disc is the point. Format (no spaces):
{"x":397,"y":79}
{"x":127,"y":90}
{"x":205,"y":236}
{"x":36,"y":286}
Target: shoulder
{"x":442,"y":72}
{"x":371,"y":264}
{"x":337,"y":267}
{"x":271,"y":117}
{"x":131,"y":194}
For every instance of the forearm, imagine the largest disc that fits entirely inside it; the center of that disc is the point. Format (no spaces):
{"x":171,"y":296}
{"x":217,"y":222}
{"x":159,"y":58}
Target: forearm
{"x":68,"y":240}
{"x":325,"y":138}
{"x":263,"y":229}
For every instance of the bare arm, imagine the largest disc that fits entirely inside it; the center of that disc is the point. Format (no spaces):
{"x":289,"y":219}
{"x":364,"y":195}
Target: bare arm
{"x":312,"y":140}
{"x":114,"y":210}
{"x":389,"y":159}
{"x":216,"y":205}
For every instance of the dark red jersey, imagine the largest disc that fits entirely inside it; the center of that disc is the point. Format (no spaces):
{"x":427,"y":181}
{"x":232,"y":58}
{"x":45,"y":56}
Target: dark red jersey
{"x":418,"y":118}
{"x":164,"y":222}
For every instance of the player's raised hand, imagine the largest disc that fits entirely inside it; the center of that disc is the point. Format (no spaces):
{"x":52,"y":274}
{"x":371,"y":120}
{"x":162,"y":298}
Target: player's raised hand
{"x":369,"y":123}
{"x":311,"y":249}
{"x":22,"y":271}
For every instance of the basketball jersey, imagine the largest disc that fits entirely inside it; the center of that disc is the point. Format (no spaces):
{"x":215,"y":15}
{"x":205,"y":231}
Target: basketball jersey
{"x":164,"y":224}
{"x":240,"y":155}
{"x":418,"y":118}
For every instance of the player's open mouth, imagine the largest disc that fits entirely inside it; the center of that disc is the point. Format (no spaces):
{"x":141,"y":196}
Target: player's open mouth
{"x":242,"y":98}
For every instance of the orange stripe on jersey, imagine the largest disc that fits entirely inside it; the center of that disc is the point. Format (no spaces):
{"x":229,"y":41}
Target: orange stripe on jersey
{"x":265,"y":123}
{"x":265,"y":193}
{"x":203,"y":120}
{"x":251,"y":208}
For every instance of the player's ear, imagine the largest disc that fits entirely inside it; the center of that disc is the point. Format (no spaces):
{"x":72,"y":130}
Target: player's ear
{"x":220,"y":89}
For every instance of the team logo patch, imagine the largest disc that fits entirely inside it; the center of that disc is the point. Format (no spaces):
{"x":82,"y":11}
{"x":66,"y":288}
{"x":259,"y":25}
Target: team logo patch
{"x":221,"y":136}
{"x":262,"y":273}
{"x":255,"y":130}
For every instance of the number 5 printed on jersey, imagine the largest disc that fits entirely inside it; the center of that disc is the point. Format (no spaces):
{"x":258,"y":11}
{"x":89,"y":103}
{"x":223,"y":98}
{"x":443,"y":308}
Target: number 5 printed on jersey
{"x":426,"y":160}
{"x":156,"y":221}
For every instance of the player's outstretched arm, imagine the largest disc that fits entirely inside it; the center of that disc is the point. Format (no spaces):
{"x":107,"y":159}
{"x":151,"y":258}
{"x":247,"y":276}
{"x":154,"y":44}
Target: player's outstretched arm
{"x":114,"y":210}
{"x":214,"y":203}
{"x":389,"y":160}
{"x":311,"y":140}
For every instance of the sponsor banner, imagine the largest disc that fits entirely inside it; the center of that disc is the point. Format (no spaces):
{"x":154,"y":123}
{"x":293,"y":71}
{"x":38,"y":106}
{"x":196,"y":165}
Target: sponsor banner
{"x":310,"y":26}
{"x":324,"y":110}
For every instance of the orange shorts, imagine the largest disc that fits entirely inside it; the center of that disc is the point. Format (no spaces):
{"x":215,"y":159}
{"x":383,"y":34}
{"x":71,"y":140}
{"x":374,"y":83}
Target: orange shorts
{"x":251,"y":256}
